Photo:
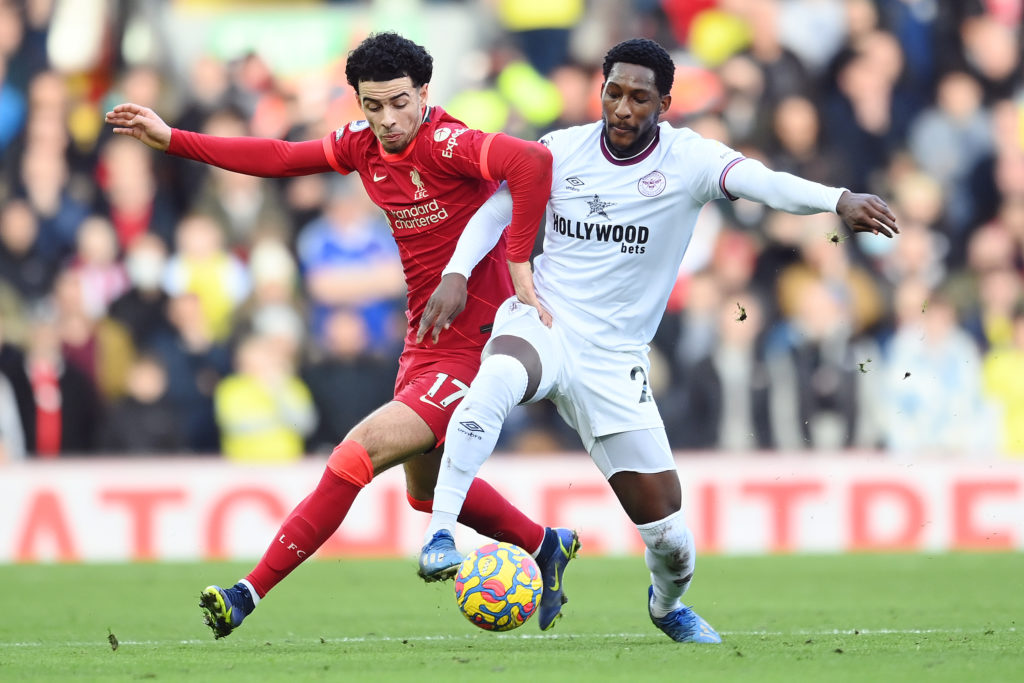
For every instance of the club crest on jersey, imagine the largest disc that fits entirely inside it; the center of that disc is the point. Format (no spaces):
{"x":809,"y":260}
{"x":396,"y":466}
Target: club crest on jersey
{"x":652,"y":184}
{"x":441,"y":134}
{"x":597,"y":207}
{"x":421,"y":189}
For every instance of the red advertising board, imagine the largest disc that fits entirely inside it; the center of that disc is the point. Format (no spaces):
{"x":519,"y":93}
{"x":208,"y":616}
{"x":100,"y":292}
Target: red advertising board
{"x":160,"y":509}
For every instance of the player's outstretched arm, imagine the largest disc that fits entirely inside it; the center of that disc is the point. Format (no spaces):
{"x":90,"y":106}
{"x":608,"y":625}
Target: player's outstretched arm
{"x":751,"y":180}
{"x":141,"y":123}
{"x":867,"y":213}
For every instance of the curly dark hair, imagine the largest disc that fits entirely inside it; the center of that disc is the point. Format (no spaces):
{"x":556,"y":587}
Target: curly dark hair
{"x":386,"y":56}
{"x":645,"y":53}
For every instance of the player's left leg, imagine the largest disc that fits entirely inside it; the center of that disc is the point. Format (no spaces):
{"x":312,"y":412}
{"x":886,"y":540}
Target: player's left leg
{"x":635,"y":464}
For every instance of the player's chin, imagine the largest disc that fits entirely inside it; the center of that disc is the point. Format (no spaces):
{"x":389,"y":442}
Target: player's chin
{"x":621,"y":138}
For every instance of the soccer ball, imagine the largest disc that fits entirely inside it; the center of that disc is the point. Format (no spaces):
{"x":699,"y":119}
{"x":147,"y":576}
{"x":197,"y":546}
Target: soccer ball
{"x":498,"y":586}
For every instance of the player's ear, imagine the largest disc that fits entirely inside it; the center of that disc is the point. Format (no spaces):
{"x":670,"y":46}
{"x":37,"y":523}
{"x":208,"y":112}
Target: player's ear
{"x":666,"y":102}
{"x":423,"y":93}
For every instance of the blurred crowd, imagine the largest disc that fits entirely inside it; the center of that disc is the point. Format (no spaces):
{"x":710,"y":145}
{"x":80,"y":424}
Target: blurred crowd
{"x":154,"y":305}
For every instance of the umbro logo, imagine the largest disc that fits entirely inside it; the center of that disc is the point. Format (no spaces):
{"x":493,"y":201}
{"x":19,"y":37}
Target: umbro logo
{"x":472,"y":426}
{"x":574,"y":181}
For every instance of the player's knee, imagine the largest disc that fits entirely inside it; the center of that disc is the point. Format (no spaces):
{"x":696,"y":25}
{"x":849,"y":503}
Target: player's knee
{"x":521,"y":351}
{"x":350,"y":461}
{"x":501,"y":372}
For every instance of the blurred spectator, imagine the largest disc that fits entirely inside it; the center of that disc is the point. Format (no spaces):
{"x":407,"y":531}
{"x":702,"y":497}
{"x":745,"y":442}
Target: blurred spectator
{"x":867,"y":112}
{"x":349,"y":381}
{"x":541,"y":28}
{"x":101,"y":347}
{"x":144,"y":420}
{"x":264,"y":411}
{"x":782,"y":71}
{"x":142,"y":309}
{"x":1003,"y":370}
{"x":195,"y":363}
{"x":992,"y":53}
{"x":827,"y":258}
{"x":727,"y":401}
{"x":101,"y":276}
{"x":933,"y":402}
{"x":1000,"y":291}
{"x":274,"y":306}
{"x":797,"y":131}
{"x":129,"y":192}
{"x":202,"y":266}
{"x":949,"y":140}
{"x":823,"y":397}
{"x":349,"y":261}
{"x":67,"y":409}
{"x":25,"y":263}
{"x":698,"y":323}
{"x":46,"y":182}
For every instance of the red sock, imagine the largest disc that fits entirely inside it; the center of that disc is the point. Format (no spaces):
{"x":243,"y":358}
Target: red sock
{"x":489,"y":513}
{"x":317,"y":517}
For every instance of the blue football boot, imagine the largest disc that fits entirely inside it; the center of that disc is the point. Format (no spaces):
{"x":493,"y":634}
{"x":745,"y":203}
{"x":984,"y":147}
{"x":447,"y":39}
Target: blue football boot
{"x":551,"y":570}
{"x":224,"y":608}
{"x":439,"y":559}
{"x":683,"y":625}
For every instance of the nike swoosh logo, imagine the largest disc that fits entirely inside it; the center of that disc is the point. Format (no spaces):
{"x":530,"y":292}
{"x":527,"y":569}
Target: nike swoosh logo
{"x":427,"y":400}
{"x":558,"y":578}
{"x":377,"y":178}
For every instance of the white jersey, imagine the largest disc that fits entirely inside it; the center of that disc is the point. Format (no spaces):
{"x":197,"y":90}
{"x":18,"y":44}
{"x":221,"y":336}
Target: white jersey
{"x":616,"y":230}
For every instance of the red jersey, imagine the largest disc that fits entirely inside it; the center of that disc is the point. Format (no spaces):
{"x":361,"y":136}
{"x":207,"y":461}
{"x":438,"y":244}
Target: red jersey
{"x":428,"y":193}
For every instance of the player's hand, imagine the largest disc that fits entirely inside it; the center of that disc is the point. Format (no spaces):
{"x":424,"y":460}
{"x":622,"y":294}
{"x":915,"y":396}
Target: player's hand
{"x":867,"y":213}
{"x":444,"y":304}
{"x":140,"y":123}
{"x":522,"y":280}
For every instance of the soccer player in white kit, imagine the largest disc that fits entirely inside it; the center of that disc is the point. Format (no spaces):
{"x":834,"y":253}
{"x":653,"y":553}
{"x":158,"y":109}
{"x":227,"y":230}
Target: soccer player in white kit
{"x":625,"y":197}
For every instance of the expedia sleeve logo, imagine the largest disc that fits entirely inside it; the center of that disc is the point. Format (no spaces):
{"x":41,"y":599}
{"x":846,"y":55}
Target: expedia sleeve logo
{"x":452,"y":136}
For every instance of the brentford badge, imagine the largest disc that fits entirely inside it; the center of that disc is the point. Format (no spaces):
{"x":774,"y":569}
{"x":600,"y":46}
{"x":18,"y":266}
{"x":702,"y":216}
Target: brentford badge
{"x":652,"y":184}
{"x":441,"y":134}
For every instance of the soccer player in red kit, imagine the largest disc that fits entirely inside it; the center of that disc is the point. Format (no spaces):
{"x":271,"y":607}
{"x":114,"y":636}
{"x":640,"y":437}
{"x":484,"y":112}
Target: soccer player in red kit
{"x":429,"y":173}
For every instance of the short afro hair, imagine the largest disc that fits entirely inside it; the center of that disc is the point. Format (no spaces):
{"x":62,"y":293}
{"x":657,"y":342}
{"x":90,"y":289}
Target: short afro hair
{"x":387,"y":56}
{"x":647,"y":53}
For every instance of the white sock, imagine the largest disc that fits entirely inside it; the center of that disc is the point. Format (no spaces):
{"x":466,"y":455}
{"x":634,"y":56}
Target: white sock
{"x":670,"y":555}
{"x":252,"y":592}
{"x":472,"y":433}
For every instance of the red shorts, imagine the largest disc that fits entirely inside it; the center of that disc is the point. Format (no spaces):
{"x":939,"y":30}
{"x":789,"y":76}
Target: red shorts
{"x":433,"y":382}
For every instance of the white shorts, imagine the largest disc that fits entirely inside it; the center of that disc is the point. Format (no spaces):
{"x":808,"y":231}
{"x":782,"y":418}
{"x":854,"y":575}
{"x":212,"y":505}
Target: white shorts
{"x":597,"y":391}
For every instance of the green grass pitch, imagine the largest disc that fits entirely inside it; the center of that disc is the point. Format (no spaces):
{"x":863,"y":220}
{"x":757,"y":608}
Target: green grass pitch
{"x":791,"y":618}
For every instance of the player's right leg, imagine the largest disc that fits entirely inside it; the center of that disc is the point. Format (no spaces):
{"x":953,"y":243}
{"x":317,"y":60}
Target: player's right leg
{"x":385,"y":438}
{"x":653,"y":500}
